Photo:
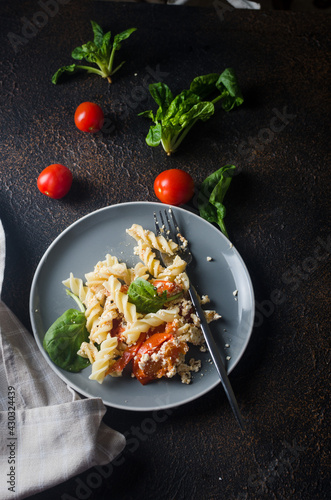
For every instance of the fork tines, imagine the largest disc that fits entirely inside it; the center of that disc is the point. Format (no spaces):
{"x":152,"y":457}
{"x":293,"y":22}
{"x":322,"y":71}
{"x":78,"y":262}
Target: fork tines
{"x":169,"y":226}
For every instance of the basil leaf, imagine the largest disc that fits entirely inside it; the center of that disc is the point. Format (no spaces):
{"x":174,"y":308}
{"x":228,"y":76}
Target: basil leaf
{"x":212,"y":193}
{"x":145,"y":297}
{"x":64,"y":338}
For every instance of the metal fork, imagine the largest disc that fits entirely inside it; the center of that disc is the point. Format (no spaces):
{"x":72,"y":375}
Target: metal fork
{"x":167,"y":226}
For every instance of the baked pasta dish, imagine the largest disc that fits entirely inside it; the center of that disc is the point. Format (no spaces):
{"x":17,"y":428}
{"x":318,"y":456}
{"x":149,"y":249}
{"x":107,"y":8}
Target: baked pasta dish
{"x":140,"y":318}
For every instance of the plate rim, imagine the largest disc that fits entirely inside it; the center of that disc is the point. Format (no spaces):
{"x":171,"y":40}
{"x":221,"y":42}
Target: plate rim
{"x":76,"y":386}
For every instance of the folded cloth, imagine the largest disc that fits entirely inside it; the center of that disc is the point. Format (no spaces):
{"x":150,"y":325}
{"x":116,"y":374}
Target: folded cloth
{"x":237,"y":4}
{"x":48,"y":433}
{"x":244,"y":4}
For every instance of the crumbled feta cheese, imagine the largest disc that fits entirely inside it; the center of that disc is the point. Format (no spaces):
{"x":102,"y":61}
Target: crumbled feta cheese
{"x":172,"y":372}
{"x":186,"y":307}
{"x":204,"y":299}
{"x":211,"y":316}
{"x":183,"y":240}
{"x":182,"y":279}
{"x":195,"y":319}
{"x":184,"y":370}
{"x":144,"y":359}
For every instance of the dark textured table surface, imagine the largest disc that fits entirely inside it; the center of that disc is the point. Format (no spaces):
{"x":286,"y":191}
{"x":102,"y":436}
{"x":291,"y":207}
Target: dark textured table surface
{"x":278,"y":218}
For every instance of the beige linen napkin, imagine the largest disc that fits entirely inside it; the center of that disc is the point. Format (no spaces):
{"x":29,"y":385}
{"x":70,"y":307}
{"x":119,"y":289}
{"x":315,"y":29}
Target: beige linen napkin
{"x":47,"y":433}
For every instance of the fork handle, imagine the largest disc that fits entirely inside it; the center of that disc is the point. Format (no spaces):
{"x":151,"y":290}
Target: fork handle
{"x":215,"y":354}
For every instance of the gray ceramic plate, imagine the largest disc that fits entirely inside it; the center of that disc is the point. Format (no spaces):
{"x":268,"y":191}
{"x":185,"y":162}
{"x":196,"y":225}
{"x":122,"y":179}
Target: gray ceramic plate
{"x":88,"y":240}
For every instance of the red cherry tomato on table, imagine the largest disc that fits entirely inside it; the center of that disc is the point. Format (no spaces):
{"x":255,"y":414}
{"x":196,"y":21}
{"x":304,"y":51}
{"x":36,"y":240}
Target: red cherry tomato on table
{"x":89,"y":117}
{"x":55,"y":181}
{"x":174,"y":187}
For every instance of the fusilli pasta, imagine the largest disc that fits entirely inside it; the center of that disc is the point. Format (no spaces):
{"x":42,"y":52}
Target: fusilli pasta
{"x":104,"y":359}
{"x":159,"y":243}
{"x":151,"y":327}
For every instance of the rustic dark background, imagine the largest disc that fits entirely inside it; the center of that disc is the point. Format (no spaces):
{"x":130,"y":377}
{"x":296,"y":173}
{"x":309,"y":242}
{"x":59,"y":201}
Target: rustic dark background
{"x":278,"y":218}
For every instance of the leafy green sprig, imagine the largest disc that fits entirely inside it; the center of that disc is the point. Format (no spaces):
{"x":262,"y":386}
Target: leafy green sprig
{"x":101,"y":51}
{"x":176,"y":116}
{"x":146,"y":298}
{"x":65,"y":336}
{"x":211,"y":196}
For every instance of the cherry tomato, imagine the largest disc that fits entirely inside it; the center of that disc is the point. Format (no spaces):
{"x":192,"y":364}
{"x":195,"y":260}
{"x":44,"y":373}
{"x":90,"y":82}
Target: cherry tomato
{"x":174,"y":186}
{"x":55,"y":181}
{"x":89,"y":117}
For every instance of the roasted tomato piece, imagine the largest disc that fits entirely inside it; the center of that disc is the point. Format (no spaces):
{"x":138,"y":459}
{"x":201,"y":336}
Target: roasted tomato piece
{"x":117,"y":328}
{"x":157,"y":356}
{"x":127,"y":355}
{"x":169,"y":286}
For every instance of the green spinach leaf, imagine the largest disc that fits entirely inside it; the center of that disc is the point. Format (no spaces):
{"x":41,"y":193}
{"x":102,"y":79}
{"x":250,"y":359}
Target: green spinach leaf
{"x":154,"y":135}
{"x":64,"y":338}
{"x":211,"y":196}
{"x":162,"y":95}
{"x":204,"y":85}
{"x":176,"y":116}
{"x":179,"y":104}
{"x":100,"y":52}
{"x":98,"y":34}
{"x":145,"y":297}
{"x":228,"y":85}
